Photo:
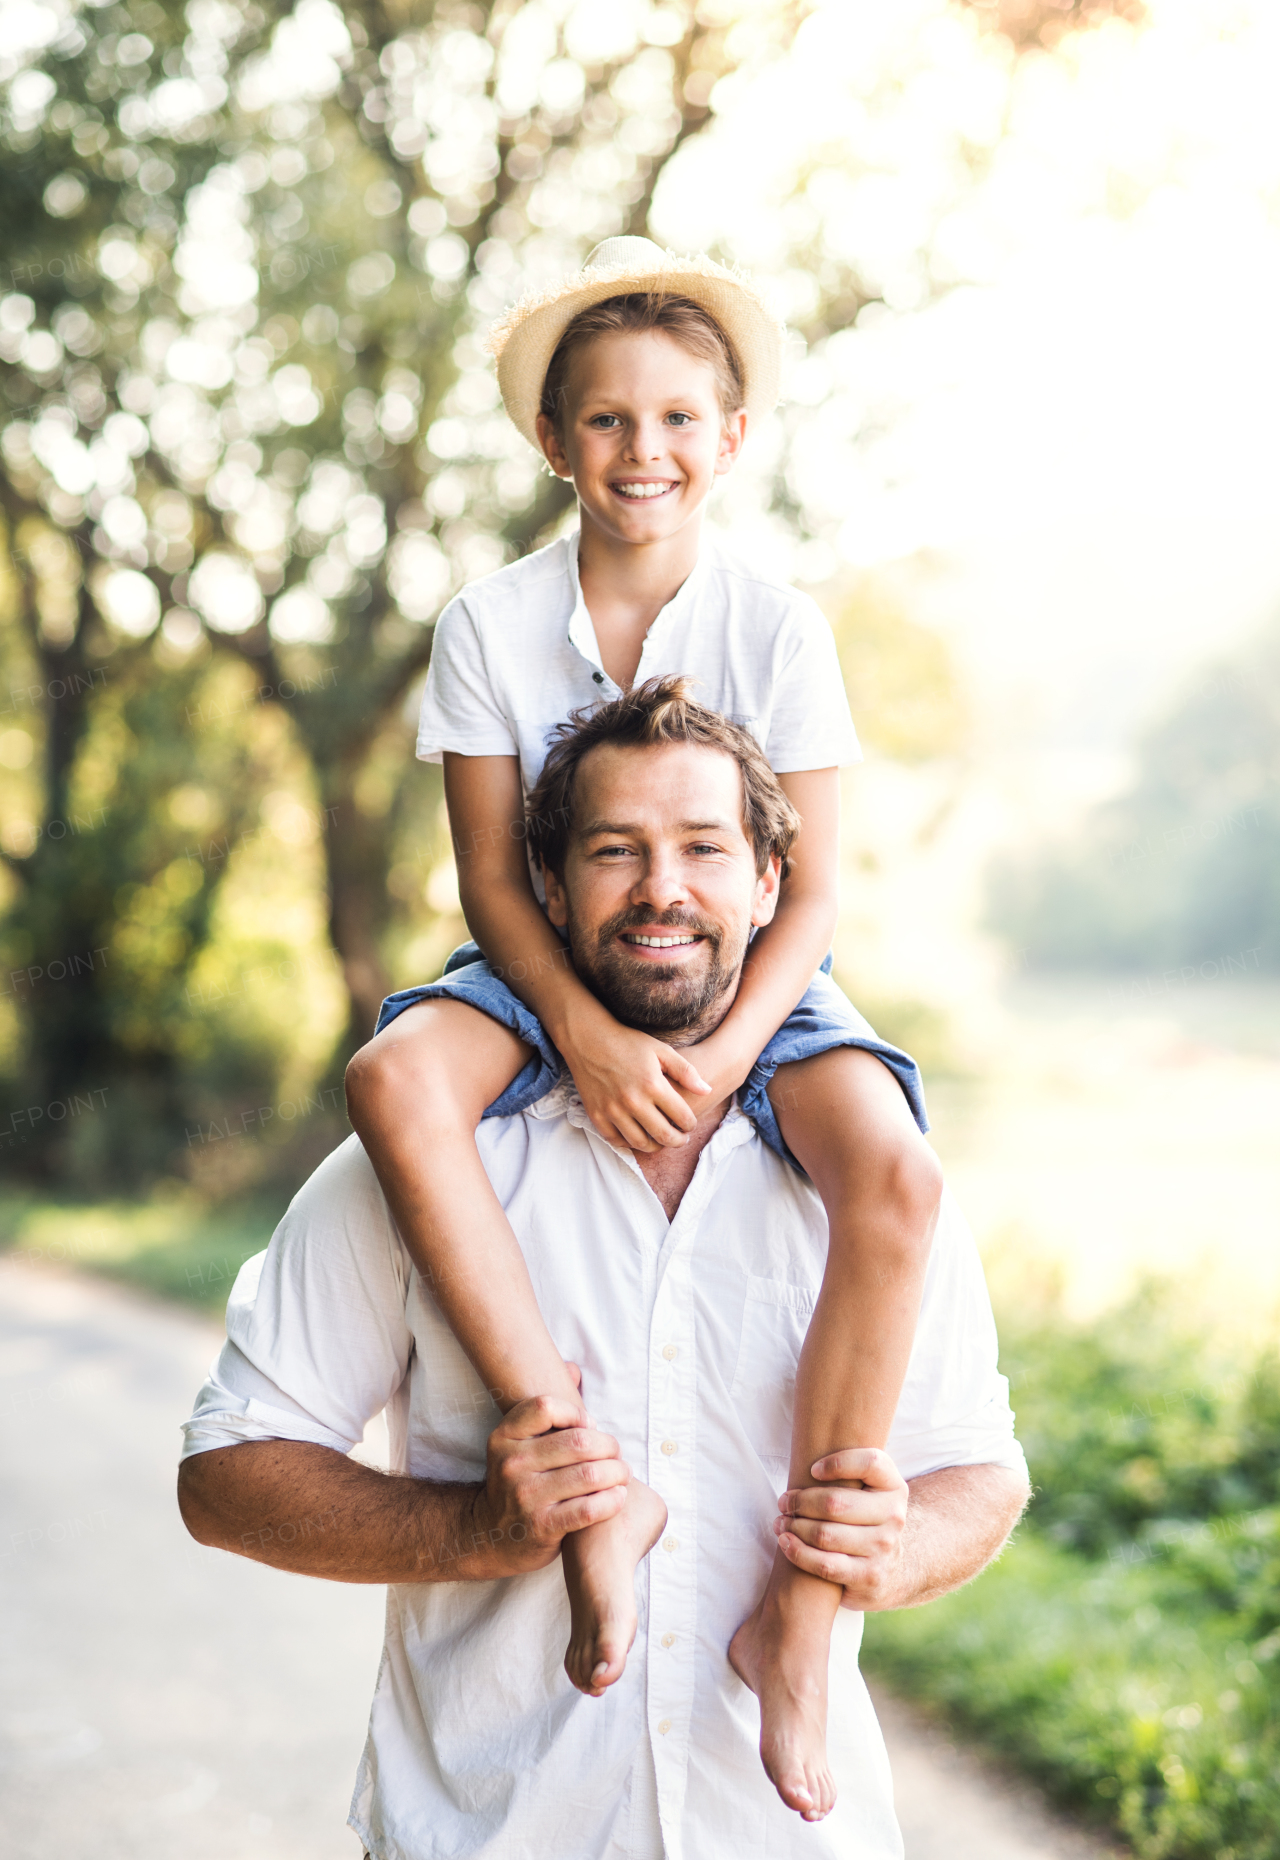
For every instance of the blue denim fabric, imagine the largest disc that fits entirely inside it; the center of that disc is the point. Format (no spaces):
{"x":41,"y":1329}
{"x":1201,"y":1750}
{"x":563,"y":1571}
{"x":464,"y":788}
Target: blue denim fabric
{"x":823,"y":1019}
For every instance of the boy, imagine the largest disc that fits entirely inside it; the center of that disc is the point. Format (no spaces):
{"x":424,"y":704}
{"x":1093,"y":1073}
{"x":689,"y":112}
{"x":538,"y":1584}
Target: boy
{"x":637,"y":380}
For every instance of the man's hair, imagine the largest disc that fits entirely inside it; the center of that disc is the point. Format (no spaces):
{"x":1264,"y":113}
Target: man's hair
{"x":686,"y":322}
{"x":659,"y":711}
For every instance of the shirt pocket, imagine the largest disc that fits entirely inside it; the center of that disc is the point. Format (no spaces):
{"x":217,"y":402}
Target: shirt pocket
{"x":775,"y":1320}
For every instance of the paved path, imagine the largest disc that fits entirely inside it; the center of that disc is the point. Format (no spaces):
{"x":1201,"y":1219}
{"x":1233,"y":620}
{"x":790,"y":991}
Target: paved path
{"x":163,"y":1702}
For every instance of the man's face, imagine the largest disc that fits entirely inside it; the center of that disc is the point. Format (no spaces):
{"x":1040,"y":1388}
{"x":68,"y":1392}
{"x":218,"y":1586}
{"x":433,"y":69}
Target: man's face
{"x":660,"y":890}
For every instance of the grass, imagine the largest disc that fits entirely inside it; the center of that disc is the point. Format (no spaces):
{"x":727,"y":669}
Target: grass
{"x":173,"y":1244}
{"x":1124,"y":1650}
{"x":1128,"y":1694}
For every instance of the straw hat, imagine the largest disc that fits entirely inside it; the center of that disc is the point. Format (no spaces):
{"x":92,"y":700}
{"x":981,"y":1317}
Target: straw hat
{"x":525,"y":339}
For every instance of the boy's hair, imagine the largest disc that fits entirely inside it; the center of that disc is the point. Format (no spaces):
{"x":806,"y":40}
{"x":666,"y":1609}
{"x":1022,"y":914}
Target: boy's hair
{"x":686,"y":322}
{"x":659,"y":711}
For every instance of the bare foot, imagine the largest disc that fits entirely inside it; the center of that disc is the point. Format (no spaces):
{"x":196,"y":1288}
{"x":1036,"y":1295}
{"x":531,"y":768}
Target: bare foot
{"x":781,"y":1651}
{"x":600,"y":1575}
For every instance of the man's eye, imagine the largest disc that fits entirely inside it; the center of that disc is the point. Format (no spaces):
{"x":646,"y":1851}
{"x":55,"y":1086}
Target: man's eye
{"x":705,"y":847}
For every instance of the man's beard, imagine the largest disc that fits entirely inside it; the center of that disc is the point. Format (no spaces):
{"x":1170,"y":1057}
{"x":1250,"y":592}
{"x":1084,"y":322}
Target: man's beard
{"x":659,"y":997}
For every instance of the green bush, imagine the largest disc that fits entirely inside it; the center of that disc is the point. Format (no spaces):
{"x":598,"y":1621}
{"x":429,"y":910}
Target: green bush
{"x":1127,"y":1691}
{"x":1126,"y":1649}
{"x":1127,"y":1421}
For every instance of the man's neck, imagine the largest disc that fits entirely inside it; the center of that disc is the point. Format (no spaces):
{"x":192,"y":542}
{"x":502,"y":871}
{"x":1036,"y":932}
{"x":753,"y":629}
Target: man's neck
{"x":669,"y":1172}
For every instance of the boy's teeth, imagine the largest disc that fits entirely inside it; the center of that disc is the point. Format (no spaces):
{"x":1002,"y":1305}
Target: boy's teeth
{"x":661,"y":942}
{"x":641,"y":490}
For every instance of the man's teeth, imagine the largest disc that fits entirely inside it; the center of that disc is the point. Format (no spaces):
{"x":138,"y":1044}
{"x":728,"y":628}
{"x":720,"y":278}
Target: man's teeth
{"x":641,"y":490}
{"x":660,"y":942}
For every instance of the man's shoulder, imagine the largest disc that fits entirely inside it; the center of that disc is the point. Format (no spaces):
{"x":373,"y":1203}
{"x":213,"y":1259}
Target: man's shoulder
{"x":343,"y":1192}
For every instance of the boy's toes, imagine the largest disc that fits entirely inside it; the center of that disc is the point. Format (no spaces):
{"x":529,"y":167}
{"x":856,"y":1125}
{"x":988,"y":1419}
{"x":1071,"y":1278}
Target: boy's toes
{"x":808,"y":1790}
{"x":594,"y":1669}
{"x":600,"y":1677}
{"x":611,"y":1661}
{"x":822,"y":1794}
{"x":795,"y":1794}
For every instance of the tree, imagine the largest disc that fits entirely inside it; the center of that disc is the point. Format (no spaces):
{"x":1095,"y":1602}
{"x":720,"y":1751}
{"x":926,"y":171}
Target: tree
{"x":251,"y":250}
{"x":251,"y":246}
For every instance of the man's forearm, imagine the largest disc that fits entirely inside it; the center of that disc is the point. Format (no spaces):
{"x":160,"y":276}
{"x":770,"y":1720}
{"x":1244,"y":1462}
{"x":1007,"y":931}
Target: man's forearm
{"x":957,"y":1521}
{"x":311,"y":1510}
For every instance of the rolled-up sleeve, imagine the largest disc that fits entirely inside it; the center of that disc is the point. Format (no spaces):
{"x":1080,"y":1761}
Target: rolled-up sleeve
{"x":954,"y":1408}
{"x":318,"y":1339}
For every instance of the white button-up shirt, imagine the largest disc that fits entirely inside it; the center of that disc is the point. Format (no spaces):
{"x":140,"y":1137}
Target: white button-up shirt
{"x":514,"y":653}
{"x":688,"y":1333}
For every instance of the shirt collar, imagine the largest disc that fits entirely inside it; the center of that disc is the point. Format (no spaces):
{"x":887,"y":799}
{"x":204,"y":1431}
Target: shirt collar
{"x":582,"y":634}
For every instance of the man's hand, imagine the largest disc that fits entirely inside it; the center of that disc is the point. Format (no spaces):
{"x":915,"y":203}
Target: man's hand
{"x":311,"y":1509}
{"x":546,"y":1476}
{"x":894,"y":1544}
{"x":849,"y":1537}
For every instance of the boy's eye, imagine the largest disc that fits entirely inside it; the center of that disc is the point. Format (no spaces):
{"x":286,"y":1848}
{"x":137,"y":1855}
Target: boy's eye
{"x":603,"y":421}
{"x":680,"y":419}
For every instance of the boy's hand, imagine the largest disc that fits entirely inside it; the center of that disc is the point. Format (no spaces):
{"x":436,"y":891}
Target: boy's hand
{"x":631,"y":1085}
{"x":722,"y":1065}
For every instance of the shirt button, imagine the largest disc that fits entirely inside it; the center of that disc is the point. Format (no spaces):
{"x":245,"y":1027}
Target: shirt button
{"x":670,"y":1351}
{"x":664,"y":1727}
{"x":598,"y":677}
{"x":669,"y":1446}
{"x":668,"y":1640}
{"x":671,"y":1543}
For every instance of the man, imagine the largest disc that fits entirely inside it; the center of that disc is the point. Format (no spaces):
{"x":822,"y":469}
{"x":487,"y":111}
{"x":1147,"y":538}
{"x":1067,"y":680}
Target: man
{"x":681,"y":1282}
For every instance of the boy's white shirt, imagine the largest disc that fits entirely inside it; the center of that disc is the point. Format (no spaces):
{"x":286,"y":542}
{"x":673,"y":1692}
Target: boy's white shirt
{"x":515,"y":652}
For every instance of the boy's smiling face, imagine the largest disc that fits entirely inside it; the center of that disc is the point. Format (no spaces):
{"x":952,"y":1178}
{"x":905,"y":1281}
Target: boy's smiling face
{"x":642,"y":435}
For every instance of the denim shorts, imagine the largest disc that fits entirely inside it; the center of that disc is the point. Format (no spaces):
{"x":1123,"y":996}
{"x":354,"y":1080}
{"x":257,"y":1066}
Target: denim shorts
{"x":822,"y":1019}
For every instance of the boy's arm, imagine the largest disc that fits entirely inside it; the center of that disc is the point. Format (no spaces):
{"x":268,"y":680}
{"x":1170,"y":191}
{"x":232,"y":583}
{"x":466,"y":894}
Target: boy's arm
{"x":627,"y":1079}
{"x":785,"y":954}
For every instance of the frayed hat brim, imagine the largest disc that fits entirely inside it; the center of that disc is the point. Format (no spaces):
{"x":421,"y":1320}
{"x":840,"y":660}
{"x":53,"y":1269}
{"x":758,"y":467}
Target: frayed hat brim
{"x":524,"y":340}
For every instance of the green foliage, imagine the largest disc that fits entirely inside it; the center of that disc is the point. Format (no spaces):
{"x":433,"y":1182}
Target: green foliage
{"x":248,"y":252}
{"x":1125,"y":1649}
{"x":172,"y":1245}
{"x":1185,"y":868}
{"x":1125,"y":1423}
{"x":1126,"y":1692}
